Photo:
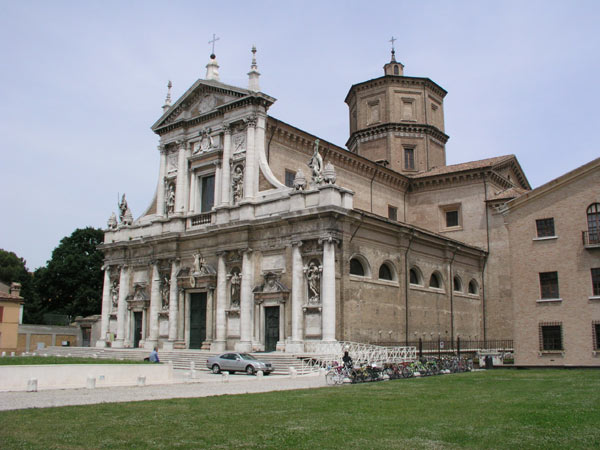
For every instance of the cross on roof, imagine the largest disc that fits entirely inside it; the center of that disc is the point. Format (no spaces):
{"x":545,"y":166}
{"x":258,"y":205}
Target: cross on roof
{"x":212,"y":41}
{"x":392,"y":40}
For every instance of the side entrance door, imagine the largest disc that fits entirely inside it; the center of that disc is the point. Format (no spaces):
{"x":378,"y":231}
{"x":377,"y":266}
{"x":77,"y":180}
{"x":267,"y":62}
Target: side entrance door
{"x":271,"y":328}
{"x":137,"y":330}
{"x":197,"y":319}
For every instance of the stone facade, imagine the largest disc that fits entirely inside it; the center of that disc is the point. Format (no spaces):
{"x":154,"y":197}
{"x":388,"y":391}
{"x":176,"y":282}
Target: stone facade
{"x":563,"y":248}
{"x":261,"y":237}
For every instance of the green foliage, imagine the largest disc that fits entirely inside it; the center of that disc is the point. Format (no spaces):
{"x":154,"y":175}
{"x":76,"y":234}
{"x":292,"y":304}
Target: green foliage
{"x":71,"y":283}
{"x":13,"y":269}
{"x":502,"y":408}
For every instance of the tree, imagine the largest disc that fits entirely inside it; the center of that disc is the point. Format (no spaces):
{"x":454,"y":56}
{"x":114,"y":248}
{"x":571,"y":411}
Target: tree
{"x":13,"y":269}
{"x":71,"y":283}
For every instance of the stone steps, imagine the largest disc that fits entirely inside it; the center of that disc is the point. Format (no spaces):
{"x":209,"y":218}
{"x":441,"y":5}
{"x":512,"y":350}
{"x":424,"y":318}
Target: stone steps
{"x":181,"y":359}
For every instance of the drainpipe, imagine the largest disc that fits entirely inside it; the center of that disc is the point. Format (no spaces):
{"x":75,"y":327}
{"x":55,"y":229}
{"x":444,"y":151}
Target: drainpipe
{"x":373,"y":179}
{"x":487,"y":229}
{"x":270,"y":139}
{"x":406,"y":281}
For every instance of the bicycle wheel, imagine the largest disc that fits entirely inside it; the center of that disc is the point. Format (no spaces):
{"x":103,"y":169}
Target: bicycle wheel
{"x":330,"y":377}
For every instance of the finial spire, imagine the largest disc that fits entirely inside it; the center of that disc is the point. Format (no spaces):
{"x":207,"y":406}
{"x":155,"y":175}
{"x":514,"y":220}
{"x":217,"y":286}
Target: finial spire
{"x":392,"y":40}
{"x":212,"y":41}
{"x":254,"y":73}
{"x":167,"y":104}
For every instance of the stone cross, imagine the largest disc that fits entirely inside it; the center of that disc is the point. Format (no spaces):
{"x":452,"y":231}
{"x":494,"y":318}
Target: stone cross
{"x":392,"y":40}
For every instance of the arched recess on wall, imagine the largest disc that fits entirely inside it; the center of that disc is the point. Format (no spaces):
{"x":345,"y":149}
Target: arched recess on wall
{"x":387,"y":272}
{"x":415,"y":276}
{"x":436,"y":281}
{"x":359,"y":266}
{"x":457,"y":284}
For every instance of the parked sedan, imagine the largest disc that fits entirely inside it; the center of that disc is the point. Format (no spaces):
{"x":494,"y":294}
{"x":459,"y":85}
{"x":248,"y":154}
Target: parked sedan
{"x":238,"y":362}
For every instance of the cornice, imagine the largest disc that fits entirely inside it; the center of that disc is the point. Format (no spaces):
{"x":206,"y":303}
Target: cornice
{"x":400,"y":80}
{"x":386,"y":128}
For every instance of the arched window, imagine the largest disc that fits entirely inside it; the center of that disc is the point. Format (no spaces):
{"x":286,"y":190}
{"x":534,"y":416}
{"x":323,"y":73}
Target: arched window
{"x":473,"y":287}
{"x":415,"y":277}
{"x":593,"y":220}
{"x":385,"y":273}
{"x":396,"y":71}
{"x":356,"y":267}
{"x":435,"y":281}
{"x":457,"y":284}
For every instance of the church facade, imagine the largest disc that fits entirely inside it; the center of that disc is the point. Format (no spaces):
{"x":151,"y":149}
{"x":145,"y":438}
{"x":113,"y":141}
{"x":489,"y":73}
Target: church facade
{"x":263,"y":237}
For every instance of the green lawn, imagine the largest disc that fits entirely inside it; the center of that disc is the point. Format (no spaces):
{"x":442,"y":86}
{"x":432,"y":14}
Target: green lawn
{"x":494,"y":409}
{"x":37,"y":360}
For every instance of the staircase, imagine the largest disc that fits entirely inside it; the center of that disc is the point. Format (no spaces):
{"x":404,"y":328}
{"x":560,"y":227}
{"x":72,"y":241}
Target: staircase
{"x":181,"y":359}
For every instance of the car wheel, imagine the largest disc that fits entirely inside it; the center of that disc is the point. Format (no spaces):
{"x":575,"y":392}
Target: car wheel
{"x":231,"y":372}
{"x":250,"y":370}
{"x":267,"y":373}
{"x":216,"y":368}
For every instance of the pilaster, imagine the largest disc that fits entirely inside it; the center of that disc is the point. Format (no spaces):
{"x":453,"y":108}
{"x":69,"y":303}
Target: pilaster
{"x":246,"y":303}
{"x":328,"y":286}
{"x":155,"y":304}
{"x":218,"y":344}
{"x":122,"y":307}
{"x":225,"y":176}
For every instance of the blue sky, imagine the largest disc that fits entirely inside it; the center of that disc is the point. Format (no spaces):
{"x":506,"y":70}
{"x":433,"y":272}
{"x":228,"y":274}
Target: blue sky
{"x":82,"y":82}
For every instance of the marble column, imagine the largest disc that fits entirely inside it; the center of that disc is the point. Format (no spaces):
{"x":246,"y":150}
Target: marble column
{"x":210,"y":312}
{"x":226,"y":168}
{"x":181,"y":174}
{"x":250,"y":174}
{"x":218,"y":182}
{"x":181,"y":315}
{"x":245,"y":342}
{"x":155,"y":305}
{"x":160,"y":193}
{"x":194,"y":192}
{"x":218,"y":344}
{"x":328,"y":290}
{"x":173,"y":305}
{"x":186,"y":179}
{"x":298,"y":288}
{"x":106,"y":304}
{"x":122,"y":307}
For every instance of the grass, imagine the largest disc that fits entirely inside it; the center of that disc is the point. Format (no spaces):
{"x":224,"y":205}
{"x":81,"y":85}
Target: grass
{"x":495,"y":409}
{"x":38,"y":360}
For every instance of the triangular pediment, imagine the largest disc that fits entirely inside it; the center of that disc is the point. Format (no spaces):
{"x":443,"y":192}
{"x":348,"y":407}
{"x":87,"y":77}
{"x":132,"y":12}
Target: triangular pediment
{"x":204,"y":97}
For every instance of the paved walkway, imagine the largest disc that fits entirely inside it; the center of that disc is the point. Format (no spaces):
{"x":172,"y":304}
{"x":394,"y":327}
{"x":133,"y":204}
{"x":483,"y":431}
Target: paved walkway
{"x":205,"y":385}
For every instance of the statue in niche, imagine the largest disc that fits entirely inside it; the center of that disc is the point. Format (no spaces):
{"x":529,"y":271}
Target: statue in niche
{"x":313,"y":276}
{"x":237,"y":183}
{"x":236,"y":282}
{"x":171,"y":199}
{"x":200,"y":267}
{"x":316,"y":164}
{"x":114,"y":293}
{"x":112,"y":222}
{"x":165,"y":287}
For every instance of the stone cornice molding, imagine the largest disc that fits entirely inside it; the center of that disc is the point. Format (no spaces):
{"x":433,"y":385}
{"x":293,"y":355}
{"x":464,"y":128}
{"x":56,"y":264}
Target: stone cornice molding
{"x":406,"y":129}
{"x":398,"y":80}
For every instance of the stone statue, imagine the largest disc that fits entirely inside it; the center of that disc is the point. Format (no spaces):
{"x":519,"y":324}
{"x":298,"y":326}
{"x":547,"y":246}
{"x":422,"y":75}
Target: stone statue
{"x":128,"y":217}
{"x":123,"y":208}
{"x":299,"y":181}
{"x":236,"y":282}
{"x":171,"y":199}
{"x":316,"y":164}
{"x":112,"y":222}
{"x":237,"y":183}
{"x":198,"y":263}
{"x":313,"y":276}
{"x":270,"y":283}
{"x":165,"y":287}
{"x":114,"y":293}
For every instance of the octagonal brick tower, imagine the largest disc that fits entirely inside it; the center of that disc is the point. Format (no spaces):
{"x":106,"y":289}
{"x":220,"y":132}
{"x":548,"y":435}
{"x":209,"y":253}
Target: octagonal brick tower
{"x":398,"y":120}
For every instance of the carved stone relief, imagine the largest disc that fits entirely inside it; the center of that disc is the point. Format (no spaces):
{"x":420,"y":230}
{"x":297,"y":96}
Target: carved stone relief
{"x":172,"y":162}
{"x":165,"y":288}
{"x":239,"y":143}
{"x":114,"y":293}
{"x":170,"y":200}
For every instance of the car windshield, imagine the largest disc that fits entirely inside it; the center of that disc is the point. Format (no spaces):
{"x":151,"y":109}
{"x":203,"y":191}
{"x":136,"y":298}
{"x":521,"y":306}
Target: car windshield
{"x":247,"y":356}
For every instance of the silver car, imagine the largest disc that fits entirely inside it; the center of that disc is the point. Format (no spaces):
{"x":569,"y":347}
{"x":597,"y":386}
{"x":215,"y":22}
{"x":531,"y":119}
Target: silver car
{"x":238,"y":362}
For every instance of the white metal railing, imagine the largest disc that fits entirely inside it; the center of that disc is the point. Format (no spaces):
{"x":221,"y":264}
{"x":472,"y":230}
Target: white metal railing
{"x":326,"y":354}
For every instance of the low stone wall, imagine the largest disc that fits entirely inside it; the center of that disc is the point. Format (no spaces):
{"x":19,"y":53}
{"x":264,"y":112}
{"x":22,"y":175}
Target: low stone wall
{"x":73,"y":376}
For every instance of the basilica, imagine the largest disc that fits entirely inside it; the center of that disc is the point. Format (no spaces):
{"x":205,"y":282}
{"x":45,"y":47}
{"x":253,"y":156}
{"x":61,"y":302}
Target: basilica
{"x":263,"y":237}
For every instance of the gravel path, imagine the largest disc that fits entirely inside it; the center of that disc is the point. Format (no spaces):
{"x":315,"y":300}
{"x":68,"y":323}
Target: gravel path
{"x":206,"y":386}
